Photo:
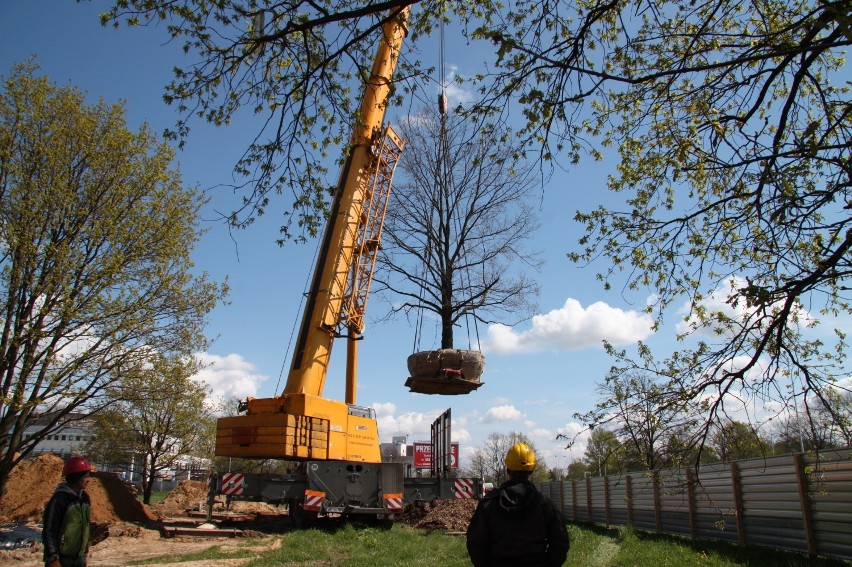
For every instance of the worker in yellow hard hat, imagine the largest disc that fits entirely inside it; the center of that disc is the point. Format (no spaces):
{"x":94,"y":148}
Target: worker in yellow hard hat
{"x":515,"y":524}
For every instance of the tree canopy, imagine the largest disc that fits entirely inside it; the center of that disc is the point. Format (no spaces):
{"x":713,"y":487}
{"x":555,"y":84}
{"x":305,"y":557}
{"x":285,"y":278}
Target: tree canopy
{"x":458,"y":221}
{"x":729,"y":121}
{"x":160,"y":413}
{"x":95,"y":272}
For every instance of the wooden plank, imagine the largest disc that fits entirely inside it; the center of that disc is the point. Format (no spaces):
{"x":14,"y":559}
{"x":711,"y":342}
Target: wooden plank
{"x":589,"y":499}
{"x":805,"y":502}
{"x":574,"y":500}
{"x":690,"y":496}
{"x":629,"y":489}
{"x":658,"y":521}
{"x":738,"y":503}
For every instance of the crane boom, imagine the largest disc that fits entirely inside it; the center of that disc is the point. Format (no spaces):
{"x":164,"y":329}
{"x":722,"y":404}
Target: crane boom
{"x":300,"y":423}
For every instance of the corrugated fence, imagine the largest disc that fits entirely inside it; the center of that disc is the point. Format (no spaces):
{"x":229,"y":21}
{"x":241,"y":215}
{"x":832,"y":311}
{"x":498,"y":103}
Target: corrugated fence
{"x":794,"y":502}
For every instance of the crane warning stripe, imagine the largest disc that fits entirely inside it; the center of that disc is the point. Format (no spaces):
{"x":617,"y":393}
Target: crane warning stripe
{"x":393,"y":501}
{"x":313,"y":500}
{"x":464,"y":488}
{"x":232,"y":484}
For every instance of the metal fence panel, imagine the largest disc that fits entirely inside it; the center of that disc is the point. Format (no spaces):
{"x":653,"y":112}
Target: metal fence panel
{"x":789,"y":502}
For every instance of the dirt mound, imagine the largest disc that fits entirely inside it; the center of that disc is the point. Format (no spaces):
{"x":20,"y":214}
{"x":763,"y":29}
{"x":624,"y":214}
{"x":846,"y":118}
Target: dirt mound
{"x":112,"y":501}
{"x":33,"y":481}
{"x":29,"y":487}
{"x":447,"y":515}
{"x":188,"y":494}
{"x":192,"y":495}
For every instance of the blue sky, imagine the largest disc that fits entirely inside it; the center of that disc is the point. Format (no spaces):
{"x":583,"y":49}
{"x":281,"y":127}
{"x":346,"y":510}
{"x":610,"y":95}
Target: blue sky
{"x":538,"y":374}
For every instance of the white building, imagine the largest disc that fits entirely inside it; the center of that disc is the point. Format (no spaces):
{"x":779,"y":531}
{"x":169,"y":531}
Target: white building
{"x":65,"y":441}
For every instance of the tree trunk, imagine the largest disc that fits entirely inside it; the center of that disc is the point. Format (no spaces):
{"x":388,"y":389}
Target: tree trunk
{"x":446,"y":332}
{"x":147,"y":481}
{"x":4,"y":478}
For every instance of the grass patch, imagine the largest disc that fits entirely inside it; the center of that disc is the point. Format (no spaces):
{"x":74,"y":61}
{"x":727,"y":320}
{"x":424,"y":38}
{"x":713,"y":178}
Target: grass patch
{"x":623,"y":546}
{"x":591,"y":546}
{"x":355,"y":546}
{"x":156,"y":496}
{"x":212,"y":554}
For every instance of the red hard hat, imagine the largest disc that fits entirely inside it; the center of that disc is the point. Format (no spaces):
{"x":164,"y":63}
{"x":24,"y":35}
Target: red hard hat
{"x":76,"y":465}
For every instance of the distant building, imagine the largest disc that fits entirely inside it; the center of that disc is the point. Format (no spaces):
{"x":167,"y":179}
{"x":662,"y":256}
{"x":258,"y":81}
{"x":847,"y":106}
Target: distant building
{"x":417,"y":456}
{"x":69,"y":439}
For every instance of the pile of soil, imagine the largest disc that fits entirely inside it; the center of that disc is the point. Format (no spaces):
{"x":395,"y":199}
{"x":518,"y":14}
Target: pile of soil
{"x":188,"y":494}
{"x":446,"y":515}
{"x":192,"y":495}
{"x":33,"y":481}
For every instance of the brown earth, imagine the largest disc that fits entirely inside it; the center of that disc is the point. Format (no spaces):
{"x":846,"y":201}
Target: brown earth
{"x":33,"y":481}
{"x":192,"y":495}
{"x":126,"y":530}
{"x":444,"y":515}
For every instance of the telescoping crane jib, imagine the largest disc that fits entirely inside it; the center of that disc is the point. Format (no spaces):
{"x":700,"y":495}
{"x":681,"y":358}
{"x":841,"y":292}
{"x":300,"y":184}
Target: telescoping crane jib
{"x":300,"y":423}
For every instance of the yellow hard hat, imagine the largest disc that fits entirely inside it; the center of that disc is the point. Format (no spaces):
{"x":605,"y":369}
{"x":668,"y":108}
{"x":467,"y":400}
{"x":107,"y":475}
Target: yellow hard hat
{"x":520,"y":458}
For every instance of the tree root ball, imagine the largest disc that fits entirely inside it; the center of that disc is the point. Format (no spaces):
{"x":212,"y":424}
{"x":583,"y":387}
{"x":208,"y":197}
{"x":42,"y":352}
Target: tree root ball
{"x":445,"y":371}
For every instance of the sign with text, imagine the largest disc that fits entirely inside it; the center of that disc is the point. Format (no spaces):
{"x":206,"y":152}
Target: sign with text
{"x":423,"y":456}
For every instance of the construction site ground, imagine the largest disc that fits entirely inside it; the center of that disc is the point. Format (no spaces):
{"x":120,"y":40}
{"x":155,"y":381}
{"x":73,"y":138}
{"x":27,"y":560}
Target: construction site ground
{"x":125,"y":530}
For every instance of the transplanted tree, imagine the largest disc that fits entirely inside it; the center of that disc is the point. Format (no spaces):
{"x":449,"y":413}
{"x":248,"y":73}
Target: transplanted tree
{"x":457,"y":224}
{"x":95,"y":239}
{"x":160,"y":414}
{"x":729,"y":120}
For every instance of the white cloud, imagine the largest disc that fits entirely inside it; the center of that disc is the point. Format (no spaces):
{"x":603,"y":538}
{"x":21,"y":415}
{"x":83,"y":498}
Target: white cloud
{"x":384,"y":409}
{"x":542,"y":434}
{"x":416,"y":425}
{"x":571,"y":328}
{"x":229,"y":376}
{"x":456,"y":94}
{"x":462,"y":436}
{"x":501,"y":413}
{"x":576,"y":438}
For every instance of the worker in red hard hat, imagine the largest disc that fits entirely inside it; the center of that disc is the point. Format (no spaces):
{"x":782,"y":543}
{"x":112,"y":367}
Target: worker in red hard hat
{"x":66,"y":518}
{"x":515,"y":524}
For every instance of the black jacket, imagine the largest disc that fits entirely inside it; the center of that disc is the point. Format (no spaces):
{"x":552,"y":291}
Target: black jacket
{"x":65,"y":530}
{"x":517,"y":525}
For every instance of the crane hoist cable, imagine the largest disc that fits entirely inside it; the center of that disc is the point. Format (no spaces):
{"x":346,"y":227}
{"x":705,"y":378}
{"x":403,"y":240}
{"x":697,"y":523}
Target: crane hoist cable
{"x":294,"y":329}
{"x":448,"y":371}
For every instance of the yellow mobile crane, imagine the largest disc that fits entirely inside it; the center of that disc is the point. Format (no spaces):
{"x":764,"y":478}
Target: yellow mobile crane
{"x":335,"y":443}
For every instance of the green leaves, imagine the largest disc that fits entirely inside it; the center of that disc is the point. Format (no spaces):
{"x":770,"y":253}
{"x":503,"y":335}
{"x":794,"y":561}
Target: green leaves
{"x":95,"y":239}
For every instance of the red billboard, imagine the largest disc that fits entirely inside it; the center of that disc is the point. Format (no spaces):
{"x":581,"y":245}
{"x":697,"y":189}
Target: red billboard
{"x":423,"y":456}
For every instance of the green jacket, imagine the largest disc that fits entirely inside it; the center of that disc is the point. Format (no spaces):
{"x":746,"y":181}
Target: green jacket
{"x":65,"y":529}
